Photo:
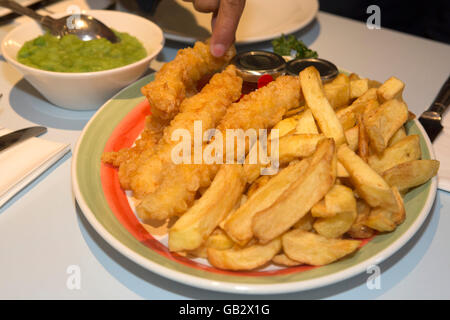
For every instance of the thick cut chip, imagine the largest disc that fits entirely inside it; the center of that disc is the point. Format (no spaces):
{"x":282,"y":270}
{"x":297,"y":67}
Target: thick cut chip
{"x":306,"y":123}
{"x":359,"y":230}
{"x":399,"y":135}
{"x":239,"y":224}
{"x":296,"y":202}
{"x":369,"y":184}
{"x":398,"y":214}
{"x":261,"y":181}
{"x":382,"y":123}
{"x":248,"y":258}
{"x":305,"y":223}
{"x":322,"y":110}
{"x":374,"y":84}
{"x":291,"y":147}
{"x":341,"y":171}
{"x":336,"y":226}
{"x":353,"y":76}
{"x":386,"y":219}
{"x":370,"y":94}
{"x":381,"y":220}
{"x":314,"y":249}
{"x":358,"y":88}
{"x":411,"y":173}
{"x":348,"y":116}
{"x":285,"y":126}
{"x":352,"y":136}
{"x":391,"y":89}
{"x":283,"y":260}
{"x":338,"y":91}
{"x":407,"y":149}
{"x":340,"y":199}
{"x":337,"y":94}
{"x":371,"y":105}
{"x":195,"y":226}
{"x":298,"y":146}
{"x":363,"y":141}
{"x":217,"y":240}
{"x":319,"y":210}
{"x":257,"y":158}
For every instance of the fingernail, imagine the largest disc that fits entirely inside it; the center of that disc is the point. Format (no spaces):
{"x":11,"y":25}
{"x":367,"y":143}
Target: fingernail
{"x":218,"y":50}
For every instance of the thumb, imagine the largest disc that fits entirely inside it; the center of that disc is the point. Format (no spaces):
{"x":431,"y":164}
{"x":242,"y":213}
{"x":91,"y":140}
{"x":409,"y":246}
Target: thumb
{"x":225,"y":24}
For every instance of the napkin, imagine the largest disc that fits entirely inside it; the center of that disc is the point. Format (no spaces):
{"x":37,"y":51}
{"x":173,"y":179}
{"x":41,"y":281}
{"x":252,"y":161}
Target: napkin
{"x":442,"y":150}
{"x":25,"y":161}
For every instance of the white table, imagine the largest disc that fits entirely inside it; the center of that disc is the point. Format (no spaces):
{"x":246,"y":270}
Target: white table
{"x":42,"y":232}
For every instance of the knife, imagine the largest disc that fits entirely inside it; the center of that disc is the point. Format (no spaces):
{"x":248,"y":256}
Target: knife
{"x":20,"y":135}
{"x":431,"y":119}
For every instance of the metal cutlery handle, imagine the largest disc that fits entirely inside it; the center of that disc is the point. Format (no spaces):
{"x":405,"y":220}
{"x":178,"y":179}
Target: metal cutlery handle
{"x":12,"y":138}
{"x":17,"y":8}
{"x":442,"y":101}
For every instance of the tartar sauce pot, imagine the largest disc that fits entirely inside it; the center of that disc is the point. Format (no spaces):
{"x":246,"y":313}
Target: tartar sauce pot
{"x":256,"y":65}
{"x":252,"y":65}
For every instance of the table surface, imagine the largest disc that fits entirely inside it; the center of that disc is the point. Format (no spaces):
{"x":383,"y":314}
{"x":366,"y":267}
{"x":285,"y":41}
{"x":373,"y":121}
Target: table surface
{"x":43,"y":232}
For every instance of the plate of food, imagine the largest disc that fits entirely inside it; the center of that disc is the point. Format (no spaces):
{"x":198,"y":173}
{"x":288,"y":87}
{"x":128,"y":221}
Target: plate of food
{"x":259,"y":22}
{"x":349,"y":179}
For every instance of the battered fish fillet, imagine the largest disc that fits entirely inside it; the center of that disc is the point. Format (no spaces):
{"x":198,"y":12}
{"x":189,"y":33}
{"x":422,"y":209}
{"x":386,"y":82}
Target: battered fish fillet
{"x":178,"y":79}
{"x":209,"y":106}
{"x":261,"y":109}
{"x":127,"y":159}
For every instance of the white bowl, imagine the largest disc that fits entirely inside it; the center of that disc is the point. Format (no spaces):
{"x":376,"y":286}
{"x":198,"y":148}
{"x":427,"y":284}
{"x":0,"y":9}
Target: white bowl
{"x":89,"y":90}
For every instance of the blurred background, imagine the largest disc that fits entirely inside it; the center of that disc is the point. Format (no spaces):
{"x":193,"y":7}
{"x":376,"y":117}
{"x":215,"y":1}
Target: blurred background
{"x":429,"y":19}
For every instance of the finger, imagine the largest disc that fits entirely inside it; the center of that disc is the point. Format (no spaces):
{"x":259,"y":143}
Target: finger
{"x":206,"y":5}
{"x":225,"y":25}
{"x":213,"y":20}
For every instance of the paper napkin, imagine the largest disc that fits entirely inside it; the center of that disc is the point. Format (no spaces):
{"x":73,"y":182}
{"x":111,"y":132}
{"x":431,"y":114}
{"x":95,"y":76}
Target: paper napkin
{"x":23,"y":162}
{"x":442,"y":150}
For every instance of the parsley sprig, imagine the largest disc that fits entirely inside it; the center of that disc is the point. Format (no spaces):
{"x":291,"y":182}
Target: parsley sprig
{"x":285,"y":46}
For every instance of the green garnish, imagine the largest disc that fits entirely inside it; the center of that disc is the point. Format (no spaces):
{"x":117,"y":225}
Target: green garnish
{"x":285,"y":46}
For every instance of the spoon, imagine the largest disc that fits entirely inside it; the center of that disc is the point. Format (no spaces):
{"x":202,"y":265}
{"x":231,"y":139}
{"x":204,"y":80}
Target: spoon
{"x":83,"y":26}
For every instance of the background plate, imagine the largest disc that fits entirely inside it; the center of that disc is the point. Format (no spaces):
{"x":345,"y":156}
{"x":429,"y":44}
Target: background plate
{"x":118,"y":123}
{"x":26,"y":3}
{"x":262,"y":19}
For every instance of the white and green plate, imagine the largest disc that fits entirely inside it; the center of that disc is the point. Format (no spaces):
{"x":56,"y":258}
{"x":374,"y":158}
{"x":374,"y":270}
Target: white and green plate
{"x":107,"y":208}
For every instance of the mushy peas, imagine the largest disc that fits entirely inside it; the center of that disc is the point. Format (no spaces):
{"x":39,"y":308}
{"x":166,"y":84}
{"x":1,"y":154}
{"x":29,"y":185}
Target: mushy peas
{"x":70,"y":54}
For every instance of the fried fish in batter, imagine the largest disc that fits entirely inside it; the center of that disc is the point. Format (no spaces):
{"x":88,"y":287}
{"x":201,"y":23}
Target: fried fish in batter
{"x":261,"y":109}
{"x":208,"y":107}
{"x":178,"y":79}
{"x":127,"y":159}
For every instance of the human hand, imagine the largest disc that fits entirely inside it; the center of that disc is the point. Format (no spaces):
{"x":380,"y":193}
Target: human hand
{"x":225,"y":20}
